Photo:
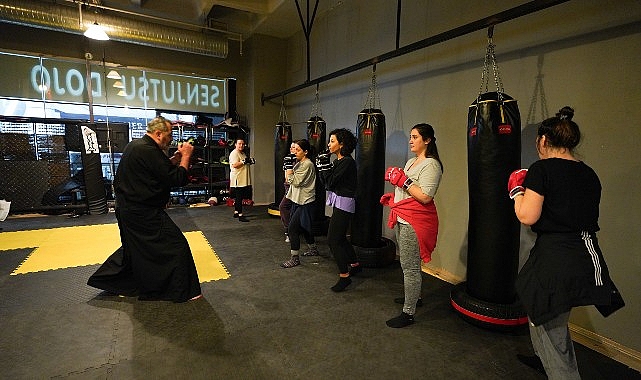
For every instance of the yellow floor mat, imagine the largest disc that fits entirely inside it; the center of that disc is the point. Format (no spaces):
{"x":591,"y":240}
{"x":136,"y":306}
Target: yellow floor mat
{"x":67,"y":247}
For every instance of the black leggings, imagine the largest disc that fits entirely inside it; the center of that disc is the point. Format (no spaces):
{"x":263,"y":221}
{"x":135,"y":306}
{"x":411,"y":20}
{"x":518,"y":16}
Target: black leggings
{"x":340,"y":247}
{"x":240,"y":193}
{"x":295,"y":227}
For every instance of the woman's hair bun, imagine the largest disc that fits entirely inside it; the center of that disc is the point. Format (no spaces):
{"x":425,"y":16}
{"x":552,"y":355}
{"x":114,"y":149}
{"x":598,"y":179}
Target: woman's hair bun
{"x":566,"y":112}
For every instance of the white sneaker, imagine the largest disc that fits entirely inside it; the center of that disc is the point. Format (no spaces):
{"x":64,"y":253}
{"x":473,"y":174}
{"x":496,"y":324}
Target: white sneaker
{"x":286,"y":238}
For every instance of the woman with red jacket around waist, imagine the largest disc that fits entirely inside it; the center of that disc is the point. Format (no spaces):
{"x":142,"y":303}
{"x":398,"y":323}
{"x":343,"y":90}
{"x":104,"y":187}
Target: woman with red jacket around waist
{"x":414,"y":213}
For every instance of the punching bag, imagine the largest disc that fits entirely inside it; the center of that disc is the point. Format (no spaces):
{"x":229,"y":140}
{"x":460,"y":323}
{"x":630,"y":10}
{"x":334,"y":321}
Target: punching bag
{"x":370,"y":161}
{"x":317,"y":137}
{"x":92,"y":167}
{"x":282,"y":142}
{"x":370,"y":247}
{"x":494,"y":151}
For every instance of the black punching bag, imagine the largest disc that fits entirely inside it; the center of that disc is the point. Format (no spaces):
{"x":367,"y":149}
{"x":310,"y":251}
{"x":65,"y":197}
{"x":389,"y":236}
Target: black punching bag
{"x":282,"y":142}
{"x":317,"y":137}
{"x":494,"y":151}
{"x":92,"y":167}
{"x":370,"y":161}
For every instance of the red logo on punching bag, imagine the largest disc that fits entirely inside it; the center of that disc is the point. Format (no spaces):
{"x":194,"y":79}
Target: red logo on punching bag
{"x":473,"y":131}
{"x":505,"y":129}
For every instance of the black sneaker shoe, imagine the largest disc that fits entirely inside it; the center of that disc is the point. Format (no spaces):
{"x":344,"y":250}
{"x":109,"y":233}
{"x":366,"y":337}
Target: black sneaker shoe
{"x":235,"y":215}
{"x":343,"y":282}
{"x":402,"y":320}
{"x":354,"y":270}
{"x":401,"y":300}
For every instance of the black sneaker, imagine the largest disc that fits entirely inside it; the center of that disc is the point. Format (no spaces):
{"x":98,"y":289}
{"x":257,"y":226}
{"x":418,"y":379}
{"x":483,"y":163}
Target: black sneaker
{"x":235,"y":215}
{"x":402,"y":320}
{"x":401,"y":300}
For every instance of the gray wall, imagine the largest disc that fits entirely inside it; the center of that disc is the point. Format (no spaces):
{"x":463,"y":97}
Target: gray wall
{"x":587,"y":52}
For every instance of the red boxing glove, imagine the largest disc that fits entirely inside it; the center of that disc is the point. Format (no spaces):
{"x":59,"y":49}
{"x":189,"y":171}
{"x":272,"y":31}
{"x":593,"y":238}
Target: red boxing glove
{"x":398,"y":178}
{"x":385,"y":199}
{"x":515,"y":183}
{"x":388,"y":172}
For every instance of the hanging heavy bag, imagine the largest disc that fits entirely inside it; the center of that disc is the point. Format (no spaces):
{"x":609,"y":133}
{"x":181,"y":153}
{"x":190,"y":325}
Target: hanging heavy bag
{"x":316,"y":135}
{"x":488,"y":297}
{"x":92,"y":165}
{"x":494,"y":151}
{"x":370,"y":160}
{"x":282,"y":142}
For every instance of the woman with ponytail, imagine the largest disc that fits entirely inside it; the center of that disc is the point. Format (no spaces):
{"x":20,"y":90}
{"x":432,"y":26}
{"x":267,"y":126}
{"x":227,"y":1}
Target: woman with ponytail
{"x":559,"y":196}
{"x":413,"y":212}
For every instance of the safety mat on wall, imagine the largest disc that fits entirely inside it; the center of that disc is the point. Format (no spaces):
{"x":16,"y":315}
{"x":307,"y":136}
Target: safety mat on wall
{"x":67,"y":247}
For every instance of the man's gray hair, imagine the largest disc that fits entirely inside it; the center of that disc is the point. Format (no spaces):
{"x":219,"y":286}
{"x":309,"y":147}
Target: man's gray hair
{"x":159,"y":123}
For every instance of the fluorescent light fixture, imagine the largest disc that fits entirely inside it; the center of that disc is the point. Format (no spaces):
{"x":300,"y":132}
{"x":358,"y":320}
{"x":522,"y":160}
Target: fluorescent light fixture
{"x":113,"y":74}
{"x":118,"y":84}
{"x":96,"y":32}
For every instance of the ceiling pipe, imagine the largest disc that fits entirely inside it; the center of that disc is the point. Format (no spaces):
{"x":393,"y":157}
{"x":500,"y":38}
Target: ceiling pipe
{"x":51,"y":16}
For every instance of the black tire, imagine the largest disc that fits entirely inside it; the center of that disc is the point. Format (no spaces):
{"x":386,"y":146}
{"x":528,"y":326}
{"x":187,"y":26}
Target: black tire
{"x":377,"y":257}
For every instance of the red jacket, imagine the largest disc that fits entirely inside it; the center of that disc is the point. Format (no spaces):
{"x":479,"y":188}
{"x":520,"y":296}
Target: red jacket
{"x":422,"y":217}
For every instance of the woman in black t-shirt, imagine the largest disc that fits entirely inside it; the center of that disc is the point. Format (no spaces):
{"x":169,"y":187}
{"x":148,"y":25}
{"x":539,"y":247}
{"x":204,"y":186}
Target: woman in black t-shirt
{"x":558,"y":196}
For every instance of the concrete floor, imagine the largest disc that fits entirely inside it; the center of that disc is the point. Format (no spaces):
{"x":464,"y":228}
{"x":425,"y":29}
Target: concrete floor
{"x":264,"y":322}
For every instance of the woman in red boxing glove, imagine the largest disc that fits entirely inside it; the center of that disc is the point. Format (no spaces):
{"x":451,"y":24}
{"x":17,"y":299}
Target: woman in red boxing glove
{"x":559,"y":198}
{"x":413,"y":211}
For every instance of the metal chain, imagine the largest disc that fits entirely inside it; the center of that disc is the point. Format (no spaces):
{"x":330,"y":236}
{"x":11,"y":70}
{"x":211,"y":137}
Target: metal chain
{"x":316,"y":108}
{"x":484,"y":72}
{"x":372,"y":95}
{"x":490,"y":58}
{"x":282,"y":116}
{"x":495,"y":67}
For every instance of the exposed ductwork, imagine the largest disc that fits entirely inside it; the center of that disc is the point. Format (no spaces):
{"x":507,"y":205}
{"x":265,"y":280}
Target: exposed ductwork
{"x":48,"y":15}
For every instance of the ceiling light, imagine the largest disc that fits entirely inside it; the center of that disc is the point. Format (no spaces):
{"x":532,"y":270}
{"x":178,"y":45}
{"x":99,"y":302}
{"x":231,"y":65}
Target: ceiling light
{"x":113,"y":74}
{"x":121,"y":93}
{"x":96,"y":32}
{"x":118,"y":84}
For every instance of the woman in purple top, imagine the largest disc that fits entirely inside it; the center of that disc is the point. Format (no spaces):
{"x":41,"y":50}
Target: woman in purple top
{"x":339,"y":178}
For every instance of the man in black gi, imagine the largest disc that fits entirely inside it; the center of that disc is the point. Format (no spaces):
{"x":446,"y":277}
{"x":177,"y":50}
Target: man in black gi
{"x":154,"y":261}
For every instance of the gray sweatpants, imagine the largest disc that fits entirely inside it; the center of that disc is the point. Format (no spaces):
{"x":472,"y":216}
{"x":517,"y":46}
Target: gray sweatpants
{"x":553,"y":345}
{"x":410,"y":264}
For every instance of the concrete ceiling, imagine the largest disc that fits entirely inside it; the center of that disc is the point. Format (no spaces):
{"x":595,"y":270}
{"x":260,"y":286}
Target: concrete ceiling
{"x":277,"y":18}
